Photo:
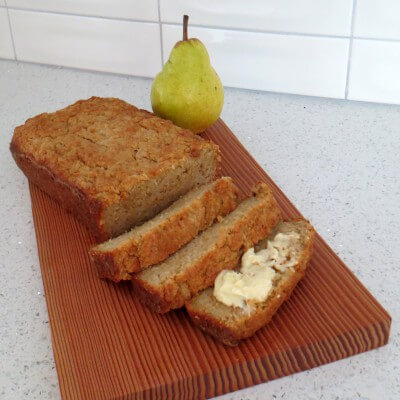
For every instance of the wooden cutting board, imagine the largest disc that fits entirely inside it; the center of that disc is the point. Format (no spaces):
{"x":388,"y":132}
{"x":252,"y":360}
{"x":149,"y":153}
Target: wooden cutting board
{"x":107,"y":345}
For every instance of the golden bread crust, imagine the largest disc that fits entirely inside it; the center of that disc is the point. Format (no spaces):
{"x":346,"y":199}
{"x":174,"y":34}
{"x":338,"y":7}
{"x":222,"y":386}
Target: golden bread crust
{"x":169,"y":234}
{"x":91,"y":155}
{"x":87,"y":209}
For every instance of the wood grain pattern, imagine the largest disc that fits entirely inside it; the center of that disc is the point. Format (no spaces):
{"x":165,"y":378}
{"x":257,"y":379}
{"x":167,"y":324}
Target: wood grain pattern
{"x":108,"y":346}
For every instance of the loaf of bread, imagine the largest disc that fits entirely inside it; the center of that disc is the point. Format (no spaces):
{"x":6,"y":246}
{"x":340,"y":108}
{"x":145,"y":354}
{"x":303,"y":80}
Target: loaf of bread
{"x":194,"y":267}
{"x":167,"y":232}
{"x":231,"y":324}
{"x":109,"y":163}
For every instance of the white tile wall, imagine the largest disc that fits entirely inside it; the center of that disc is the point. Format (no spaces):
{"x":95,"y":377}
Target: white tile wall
{"x":324,"y":17}
{"x":310,"y":47}
{"x":374,"y":72}
{"x":279,"y":63}
{"x":6,"y":47}
{"x":88,"y":43}
{"x":126,"y":9}
{"x":377,"y":19}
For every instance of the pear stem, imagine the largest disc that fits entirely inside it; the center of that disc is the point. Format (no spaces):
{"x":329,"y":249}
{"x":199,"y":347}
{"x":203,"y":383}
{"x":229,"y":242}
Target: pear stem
{"x":185,"y":27}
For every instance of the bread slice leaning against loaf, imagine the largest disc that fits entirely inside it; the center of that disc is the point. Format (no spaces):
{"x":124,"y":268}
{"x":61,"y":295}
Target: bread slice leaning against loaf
{"x":166,"y":233}
{"x":170,"y":284}
{"x":230,"y":324}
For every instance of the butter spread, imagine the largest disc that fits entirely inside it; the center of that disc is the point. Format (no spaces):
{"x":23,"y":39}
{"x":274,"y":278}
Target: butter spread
{"x":258,"y":270}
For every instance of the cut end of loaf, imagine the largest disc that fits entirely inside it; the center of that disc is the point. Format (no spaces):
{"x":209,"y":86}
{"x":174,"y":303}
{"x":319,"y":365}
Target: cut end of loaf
{"x":110,"y":164}
{"x":151,"y":196}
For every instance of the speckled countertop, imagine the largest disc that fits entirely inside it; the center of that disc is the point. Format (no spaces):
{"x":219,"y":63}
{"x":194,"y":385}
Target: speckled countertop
{"x":338,"y":161}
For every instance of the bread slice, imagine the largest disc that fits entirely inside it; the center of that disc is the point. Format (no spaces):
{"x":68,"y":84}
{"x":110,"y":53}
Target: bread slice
{"x":171,"y":283}
{"x":231,"y":324}
{"x":166,"y":233}
{"x":111,"y":164}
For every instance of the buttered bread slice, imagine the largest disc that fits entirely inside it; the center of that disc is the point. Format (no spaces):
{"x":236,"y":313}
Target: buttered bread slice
{"x":166,"y":233}
{"x":170,"y":284}
{"x":243,"y":301}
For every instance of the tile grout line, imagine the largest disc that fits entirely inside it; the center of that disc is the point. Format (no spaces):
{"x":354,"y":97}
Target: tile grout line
{"x":70,"y":14}
{"x":79,"y":69}
{"x":353,"y":16}
{"x":245,"y":30}
{"x":11,"y":32}
{"x":161,"y":35}
{"x":252,"y":30}
{"x":263,"y":91}
{"x":376,"y":39}
{"x":282,"y":33}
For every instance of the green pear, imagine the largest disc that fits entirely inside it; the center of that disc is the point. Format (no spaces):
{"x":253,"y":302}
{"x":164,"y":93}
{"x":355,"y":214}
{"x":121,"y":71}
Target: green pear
{"x":188,"y":91}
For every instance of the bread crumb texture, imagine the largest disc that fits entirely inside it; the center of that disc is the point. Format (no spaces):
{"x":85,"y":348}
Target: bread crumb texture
{"x":168,"y":231}
{"x":171,"y":283}
{"x":105,"y":145}
{"x":118,"y":164}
